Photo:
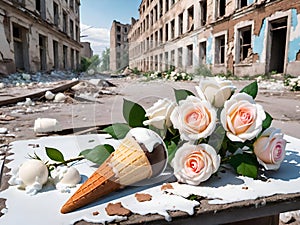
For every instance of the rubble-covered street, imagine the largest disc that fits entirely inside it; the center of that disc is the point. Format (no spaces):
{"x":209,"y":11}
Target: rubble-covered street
{"x":86,"y":103}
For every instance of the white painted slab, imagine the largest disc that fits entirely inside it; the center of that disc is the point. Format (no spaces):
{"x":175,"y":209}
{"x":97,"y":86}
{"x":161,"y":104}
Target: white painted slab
{"x":227,"y":188}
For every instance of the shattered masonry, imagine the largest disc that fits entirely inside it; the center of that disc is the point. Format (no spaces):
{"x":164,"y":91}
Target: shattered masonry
{"x":39,"y":35}
{"x":245,"y":37}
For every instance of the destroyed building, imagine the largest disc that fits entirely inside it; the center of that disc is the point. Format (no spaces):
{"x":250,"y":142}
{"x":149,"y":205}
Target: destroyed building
{"x":119,"y":45}
{"x":242,"y":37}
{"x":86,"y":50}
{"x":39,"y":35}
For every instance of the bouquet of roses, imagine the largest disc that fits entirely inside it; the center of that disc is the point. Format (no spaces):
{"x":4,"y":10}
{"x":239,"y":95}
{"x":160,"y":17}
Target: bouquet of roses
{"x":215,"y":126}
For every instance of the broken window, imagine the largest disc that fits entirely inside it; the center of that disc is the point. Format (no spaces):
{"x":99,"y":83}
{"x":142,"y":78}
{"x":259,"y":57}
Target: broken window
{"x":173,"y":57}
{"x":72,"y":29}
{"x":151,"y":17}
{"x":190,"y":55}
{"x":65,"y":57}
{"x":72,"y":59}
{"x":245,"y":53}
{"x":65,"y":22}
{"x":55,"y":55}
{"x":118,"y":29}
{"x":203,"y":12}
{"x":20,"y":47}
{"x":160,"y":35}
{"x":202,"y":52}
{"x":180,"y":24}
{"x":118,"y":37}
{"x":77,"y":33}
{"x":155,"y":13}
{"x":242,"y":3}
{"x":172,"y":29}
{"x":156,"y":62}
{"x":125,"y":30}
{"x":179,"y":57}
{"x":41,"y":7}
{"x":221,"y":8}
{"x":190,"y":19}
{"x":56,"y":14}
{"x":42,"y":46}
{"x":166,"y":32}
{"x":167,"y":6}
{"x":160,"y":61}
{"x":220,"y":49}
{"x":151,"y":41}
{"x":160,"y":8}
{"x":156,"y":38}
{"x":166,"y":60}
{"x":147,"y":22}
{"x":71,"y":3}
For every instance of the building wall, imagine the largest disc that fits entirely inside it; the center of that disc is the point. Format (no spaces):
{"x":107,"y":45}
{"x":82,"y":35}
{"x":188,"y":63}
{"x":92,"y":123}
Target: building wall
{"x":244,"y":37}
{"x":39,"y":35}
{"x":86,"y":50}
{"x":118,"y":45}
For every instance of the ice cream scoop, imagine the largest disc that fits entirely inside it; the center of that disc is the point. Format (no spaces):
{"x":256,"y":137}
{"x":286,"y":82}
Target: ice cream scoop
{"x":31,"y":176}
{"x":142,"y":154}
{"x":65,"y":177}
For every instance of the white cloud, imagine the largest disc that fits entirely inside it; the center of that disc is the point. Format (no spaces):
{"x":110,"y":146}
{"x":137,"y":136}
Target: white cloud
{"x":97,"y":36}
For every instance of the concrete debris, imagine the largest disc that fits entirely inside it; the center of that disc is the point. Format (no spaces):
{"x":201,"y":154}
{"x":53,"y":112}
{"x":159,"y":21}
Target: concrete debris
{"x":49,"y":95}
{"x":3,"y":130}
{"x":46,"y":125}
{"x":60,"y":97}
{"x":289,"y":216}
{"x":2,"y":85}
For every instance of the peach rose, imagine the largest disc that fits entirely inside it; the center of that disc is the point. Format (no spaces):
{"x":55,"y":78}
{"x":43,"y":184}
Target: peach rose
{"x":194,"y":118}
{"x":242,"y":118}
{"x":215,"y":90}
{"x":159,"y":114}
{"x":269,"y":148}
{"x":194,"y":164}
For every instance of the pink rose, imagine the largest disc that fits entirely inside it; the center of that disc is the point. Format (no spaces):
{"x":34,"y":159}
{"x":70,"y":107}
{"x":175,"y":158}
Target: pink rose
{"x":194,"y":164}
{"x":194,"y":118}
{"x":269,"y":148}
{"x":242,"y":118}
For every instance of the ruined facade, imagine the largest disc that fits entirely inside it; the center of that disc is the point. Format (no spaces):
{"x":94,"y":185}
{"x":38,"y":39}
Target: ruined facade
{"x":118,"y":45}
{"x":39,"y":35}
{"x":86,"y":50}
{"x":244,"y":37}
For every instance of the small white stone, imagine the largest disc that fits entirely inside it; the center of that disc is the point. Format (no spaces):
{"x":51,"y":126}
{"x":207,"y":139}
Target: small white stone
{"x":60,"y":97}
{"x":49,"y":95}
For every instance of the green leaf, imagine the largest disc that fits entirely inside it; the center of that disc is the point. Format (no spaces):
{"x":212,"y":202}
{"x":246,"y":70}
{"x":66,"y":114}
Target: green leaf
{"x":171,"y":147}
{"x":98,"y":154}
{"x":117,"y":130}
{"x":245,"y":164}
{"x":268,"y":121}
{"x":247,"y":170}
{"x":216,"y":139}
{"x":182,"y":94}
{"x":133,"y":113}
{"x":251,"y":89}
{"x":55,"y":154}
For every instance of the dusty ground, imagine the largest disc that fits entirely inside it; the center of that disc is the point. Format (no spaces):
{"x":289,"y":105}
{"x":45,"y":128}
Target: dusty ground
{"x":106,"y":108}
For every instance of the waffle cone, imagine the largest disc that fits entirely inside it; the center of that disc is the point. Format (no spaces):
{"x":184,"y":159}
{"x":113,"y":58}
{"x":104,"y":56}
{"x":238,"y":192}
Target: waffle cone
{"x":125,"y":166}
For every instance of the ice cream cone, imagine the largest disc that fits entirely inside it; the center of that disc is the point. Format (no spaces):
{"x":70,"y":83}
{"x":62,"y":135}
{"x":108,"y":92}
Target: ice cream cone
{"x":127,"y":165}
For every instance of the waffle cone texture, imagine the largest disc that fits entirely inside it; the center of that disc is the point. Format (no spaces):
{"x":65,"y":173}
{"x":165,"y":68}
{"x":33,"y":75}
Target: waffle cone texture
{"x":128,"y":164}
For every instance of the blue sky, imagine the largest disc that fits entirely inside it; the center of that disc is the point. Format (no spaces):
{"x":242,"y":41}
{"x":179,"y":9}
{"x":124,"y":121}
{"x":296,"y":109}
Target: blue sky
{"x":96,"y":17}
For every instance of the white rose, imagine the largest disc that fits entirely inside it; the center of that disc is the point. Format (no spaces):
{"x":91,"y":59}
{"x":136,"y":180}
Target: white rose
{"x":242,"y":118}
{"x":269,"y":148}
{"x":194,"y":118}
{"x":194,"y":164}
{"x":215,"y":90}
{"x":159,"y":114}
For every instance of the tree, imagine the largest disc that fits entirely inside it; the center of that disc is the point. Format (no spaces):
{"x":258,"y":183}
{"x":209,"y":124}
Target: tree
{"x":105,"y":61}
{"x":90,"y":63}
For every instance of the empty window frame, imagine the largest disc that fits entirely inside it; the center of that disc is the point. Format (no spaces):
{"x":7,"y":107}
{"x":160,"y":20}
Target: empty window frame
{"x":167,"y":6}
{"x":56,"y":14}
{"x":172,"y":23}
{"x":55,"y":55}
{"x":190,"y":22}
{"x":43,"y":49}
{"x":155,"y":12}
{"x":72,"y":29}
{"x":160,"y":8}
{"x":245,"y":43}
{"x":221,"y":8}
{"x":160,"y":35}
{"x":180,"y":24}
{"x":166,"y":32}
{"x":203,"y":12}
{"x":173,"y":57}
{"x":189,"y":55}
{"x":118,"y":28}
{"x":220,"y":49}
{"x":65,"y":57}
{"x":166,"y":60}
{"x":179,"y":59}
{"x":156,"y":38}
{"x":242,"y":3}
{"x":65,"y":22}
{"x":40,"y":6}
{"x":151,"y":18}
{"x":202,"y":52}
